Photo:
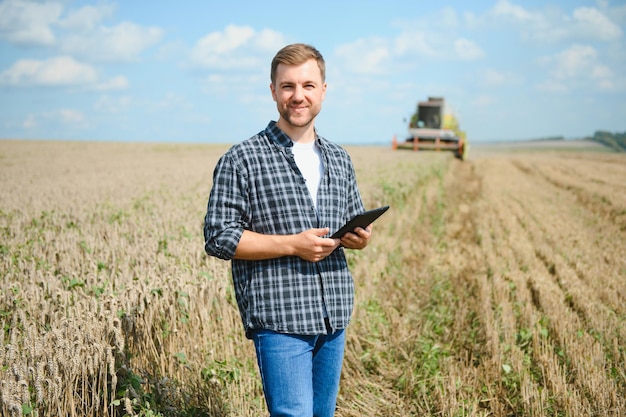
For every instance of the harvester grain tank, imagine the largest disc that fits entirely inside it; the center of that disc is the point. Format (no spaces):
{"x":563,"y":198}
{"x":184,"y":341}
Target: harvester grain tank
{"x":434,"y":126}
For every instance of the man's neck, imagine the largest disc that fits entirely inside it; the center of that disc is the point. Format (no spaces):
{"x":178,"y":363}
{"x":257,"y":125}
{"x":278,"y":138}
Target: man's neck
{"x":304,"y":134}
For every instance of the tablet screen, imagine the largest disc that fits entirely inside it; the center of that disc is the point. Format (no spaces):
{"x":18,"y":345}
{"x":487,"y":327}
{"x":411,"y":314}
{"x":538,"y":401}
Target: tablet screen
{"x":361,"y":220}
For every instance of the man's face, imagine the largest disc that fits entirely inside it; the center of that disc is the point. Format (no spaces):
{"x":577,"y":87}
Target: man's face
{"x":298,"y":92}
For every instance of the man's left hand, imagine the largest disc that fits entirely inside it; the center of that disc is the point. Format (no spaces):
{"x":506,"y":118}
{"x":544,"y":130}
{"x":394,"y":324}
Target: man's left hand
{"x":358,"y":238}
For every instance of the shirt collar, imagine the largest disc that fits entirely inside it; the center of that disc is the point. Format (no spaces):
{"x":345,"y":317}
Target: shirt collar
{"x":280,"y":138}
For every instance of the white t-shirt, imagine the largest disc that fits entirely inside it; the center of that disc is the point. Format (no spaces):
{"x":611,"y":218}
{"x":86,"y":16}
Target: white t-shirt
{"x":309,"y":160}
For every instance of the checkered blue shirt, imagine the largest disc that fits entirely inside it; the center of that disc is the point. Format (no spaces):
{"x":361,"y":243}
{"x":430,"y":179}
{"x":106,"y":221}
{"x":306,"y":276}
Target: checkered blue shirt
{"x":257,"y":186}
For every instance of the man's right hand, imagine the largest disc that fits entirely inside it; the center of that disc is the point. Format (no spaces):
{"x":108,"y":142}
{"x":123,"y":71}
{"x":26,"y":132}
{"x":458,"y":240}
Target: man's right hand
{"x":309,"y":245}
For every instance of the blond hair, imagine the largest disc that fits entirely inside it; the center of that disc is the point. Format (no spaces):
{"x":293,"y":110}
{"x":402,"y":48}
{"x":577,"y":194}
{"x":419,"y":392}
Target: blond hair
{"x":296,"y":54}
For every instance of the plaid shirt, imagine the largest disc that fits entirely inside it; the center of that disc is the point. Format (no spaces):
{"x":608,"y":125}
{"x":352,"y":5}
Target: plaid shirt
{"x":257,"y":186}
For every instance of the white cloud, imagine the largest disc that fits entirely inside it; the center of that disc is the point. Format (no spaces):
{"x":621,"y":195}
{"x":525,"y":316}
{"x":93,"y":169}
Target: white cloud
{"x":447,"y":18}
{"x":591,"y":41}
{"x":239,"y":84}
{"x":71,"y":116}
{"x":236,"y":47}
{"x":601,"y":71}
{"x":467,"y":50}
{"x":492,"y":77}
{"x":426,"y":40}
{"x":116,"y":83}
{"x":233,"y":37}
{"x":365,"y":56}
{"x":573,"y":62}
{"x":28,"y":23}
{"x":435,"y":37}
{"x":576,"y":65}
{"x":606,"y":79}
{"x":87,"y":18}
{"x":172,"y":51}
{"x":173,"y":101}
{"x":82,"y":33}
{"x":414,"y":42}
{"x":552,"y":86}
{"x":483,"y":100}
{"x":68,"y":118}
{"x":551,"y":24}
{"x":269,"y":40}
{"x":506,"y":10}
{"x":124,"y":42}
{"x":617,"y":12}
{"x":58,"y":71}
{"x":30,"y":122}
{"x":593,"y":24}
{"x":109,"y":104}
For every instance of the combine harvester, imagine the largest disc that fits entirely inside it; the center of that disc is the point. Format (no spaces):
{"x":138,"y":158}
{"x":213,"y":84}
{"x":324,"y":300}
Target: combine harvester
{"x":434,"y":126}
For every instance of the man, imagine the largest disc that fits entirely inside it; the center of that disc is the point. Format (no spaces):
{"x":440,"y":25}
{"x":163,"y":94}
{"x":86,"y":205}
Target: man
{"x":274,"y":200}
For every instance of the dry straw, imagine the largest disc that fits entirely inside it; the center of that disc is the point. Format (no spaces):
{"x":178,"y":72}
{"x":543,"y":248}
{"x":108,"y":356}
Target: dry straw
{"x":493,"y":287}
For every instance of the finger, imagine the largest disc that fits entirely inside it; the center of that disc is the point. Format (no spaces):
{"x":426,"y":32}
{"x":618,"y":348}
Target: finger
{"x":321,"y":232}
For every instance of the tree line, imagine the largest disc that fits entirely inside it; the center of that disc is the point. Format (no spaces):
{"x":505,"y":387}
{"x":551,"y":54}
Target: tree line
{"x":616,"y":141}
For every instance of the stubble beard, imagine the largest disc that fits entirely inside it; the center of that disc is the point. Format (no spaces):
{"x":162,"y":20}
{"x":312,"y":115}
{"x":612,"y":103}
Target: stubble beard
{"x":295,"y":121}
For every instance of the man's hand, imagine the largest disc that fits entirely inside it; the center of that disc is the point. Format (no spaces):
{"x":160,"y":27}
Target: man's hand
{"x":311,"y":246}
{"x":308,"y":245}
{"x":357,"y":239}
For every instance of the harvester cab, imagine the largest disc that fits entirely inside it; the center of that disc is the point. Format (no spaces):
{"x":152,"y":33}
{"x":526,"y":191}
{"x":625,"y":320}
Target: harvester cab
{"x":434,"y":126}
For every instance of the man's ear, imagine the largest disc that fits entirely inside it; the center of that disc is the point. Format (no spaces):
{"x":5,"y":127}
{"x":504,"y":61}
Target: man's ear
{"x":273,"y":91}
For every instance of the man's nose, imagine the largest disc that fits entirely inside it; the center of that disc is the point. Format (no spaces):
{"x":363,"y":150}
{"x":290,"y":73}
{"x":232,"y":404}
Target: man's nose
{"x":298,"y":93}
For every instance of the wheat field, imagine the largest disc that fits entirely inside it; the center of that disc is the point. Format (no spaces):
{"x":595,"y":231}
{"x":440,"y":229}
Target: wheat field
{"x":493,"y":287}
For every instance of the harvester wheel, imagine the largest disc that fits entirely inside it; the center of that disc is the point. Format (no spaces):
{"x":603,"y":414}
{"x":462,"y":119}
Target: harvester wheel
{"x":461,"y":152}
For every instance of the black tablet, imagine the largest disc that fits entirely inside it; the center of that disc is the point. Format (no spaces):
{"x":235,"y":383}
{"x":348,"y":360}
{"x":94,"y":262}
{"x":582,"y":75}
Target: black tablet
{"x":360,"y":220}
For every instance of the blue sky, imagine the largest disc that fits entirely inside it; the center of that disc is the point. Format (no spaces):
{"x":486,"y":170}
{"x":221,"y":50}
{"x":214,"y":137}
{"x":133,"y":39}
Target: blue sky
{"x":198,"y":71}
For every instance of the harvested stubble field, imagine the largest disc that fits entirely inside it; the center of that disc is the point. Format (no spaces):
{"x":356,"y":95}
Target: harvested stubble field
{"x":493,"y":287}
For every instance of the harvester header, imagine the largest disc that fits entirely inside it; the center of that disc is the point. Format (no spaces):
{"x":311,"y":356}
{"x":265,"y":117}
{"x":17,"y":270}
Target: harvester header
{"x":434,"y":126}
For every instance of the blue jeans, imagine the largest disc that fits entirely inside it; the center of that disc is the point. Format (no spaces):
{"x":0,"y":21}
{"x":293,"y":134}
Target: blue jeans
{"x":300,"y":374}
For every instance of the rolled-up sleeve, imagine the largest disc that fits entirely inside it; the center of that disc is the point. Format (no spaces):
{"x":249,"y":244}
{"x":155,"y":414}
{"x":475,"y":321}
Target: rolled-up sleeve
{"x":227,"y":210}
